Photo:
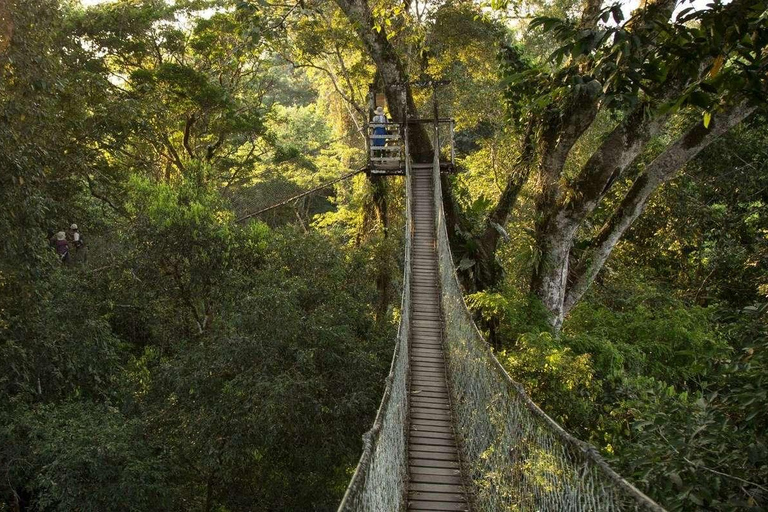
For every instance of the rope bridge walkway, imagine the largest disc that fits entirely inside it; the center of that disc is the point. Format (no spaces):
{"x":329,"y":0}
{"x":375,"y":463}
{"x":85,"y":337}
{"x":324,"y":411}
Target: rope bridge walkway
{"x":454,"y":431}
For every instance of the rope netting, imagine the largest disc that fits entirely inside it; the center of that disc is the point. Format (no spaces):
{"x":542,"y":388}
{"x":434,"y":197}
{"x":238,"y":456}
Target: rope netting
{"x":515,"y":455}
{"x":380,"y":480}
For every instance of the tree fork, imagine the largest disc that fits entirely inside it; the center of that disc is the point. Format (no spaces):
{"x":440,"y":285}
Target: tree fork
{"x":663,"y":168}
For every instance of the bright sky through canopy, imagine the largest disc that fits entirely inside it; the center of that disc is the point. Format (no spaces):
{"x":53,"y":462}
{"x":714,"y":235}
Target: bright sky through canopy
{"x":632,"y":4}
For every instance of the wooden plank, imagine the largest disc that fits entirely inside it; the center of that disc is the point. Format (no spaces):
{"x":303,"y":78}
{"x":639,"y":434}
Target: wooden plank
{"x":428,"y":379}
{"x":426,"y":478}
{"x":437,"y":496}
{"x":427,"y":332}
{"x":449,"y":472}
{"x":427,"y":375}
{"x":428,"y":372}
{"x":420,"y":347}
{"x":421,"y":375}
{"x":446,"y":451}
{"x":429,"y":506}
{"x":430,"y":336}
{"x":428,"y":327}
{"x":422,"y":343}
{"x":432,"y":506}
{"x":427,"y":361}
{"x":433,"y":332}
{"x":421,"y":369}
{"x":431,"y":358}
{"x":425,"y":393}
{"x":432,"y":463}
{"x":415,"y":386}
{"x":418,"y":399}
{"x":426,"y":358}
{"x":436,"y":351}
{"x":421,"y":439}
{"x":426,"y":389}
{"x":430,"y":414}
{"x":428,"y":324}
{"x":436,"y":375}
{"x":428,"y":349}
{"x":420,"y":411}
{"x":429,"y":406}
{"x":432,"y":429}
{"x":428,"y":434}
{"x":429,"y":385}
{"x":430,"y":441}
{"x":427,"y":424}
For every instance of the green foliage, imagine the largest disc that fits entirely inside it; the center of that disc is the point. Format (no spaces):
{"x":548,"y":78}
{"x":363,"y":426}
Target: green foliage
{"x":560,"y":380}
{"x":637,"y":328}
{"x":681,"y":447}
{"x":190,"y":362}
{"x":84,"y":456}
{"x":650,"y":51}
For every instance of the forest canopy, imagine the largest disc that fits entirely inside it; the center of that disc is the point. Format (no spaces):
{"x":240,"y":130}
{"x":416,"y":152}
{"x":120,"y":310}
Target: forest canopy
{"x":200,"y":292}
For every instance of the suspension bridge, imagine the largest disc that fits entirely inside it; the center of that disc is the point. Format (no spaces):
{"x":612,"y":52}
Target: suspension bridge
{"x":453,"y":431}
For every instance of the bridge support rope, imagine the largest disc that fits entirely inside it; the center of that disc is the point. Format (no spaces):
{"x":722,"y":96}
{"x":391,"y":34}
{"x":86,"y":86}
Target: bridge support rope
{"x":514,"y":455}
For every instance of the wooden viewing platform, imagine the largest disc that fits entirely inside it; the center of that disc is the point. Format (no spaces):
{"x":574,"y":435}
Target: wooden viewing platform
{"x":435,"y":481}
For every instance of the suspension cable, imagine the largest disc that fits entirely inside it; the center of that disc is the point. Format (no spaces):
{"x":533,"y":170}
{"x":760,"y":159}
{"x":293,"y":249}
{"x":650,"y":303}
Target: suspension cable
{"x":299,"y":196}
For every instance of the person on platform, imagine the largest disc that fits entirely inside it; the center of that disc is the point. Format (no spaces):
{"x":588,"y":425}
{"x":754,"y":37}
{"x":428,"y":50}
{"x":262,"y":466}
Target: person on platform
{"x":379,"y":119}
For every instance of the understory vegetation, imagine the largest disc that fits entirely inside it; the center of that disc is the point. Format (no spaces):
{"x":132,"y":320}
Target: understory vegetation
{"x":217,"y":345}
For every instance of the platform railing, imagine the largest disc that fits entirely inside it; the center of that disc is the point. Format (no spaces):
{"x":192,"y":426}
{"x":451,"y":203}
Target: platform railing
{"x":386,"y":150}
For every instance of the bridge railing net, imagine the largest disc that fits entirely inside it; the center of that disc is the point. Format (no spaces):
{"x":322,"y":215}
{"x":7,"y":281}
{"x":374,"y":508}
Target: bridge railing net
{"x":517,"y":458}
{"x":380,"y":480}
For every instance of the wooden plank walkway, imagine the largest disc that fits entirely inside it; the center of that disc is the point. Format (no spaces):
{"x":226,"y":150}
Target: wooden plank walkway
{"x":435,"y":481}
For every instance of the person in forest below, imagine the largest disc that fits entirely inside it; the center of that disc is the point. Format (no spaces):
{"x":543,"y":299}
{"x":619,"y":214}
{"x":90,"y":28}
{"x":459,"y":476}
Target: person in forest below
{"x":62,"y":247}
{"x":379,"y":118}
{"x":79,"y":244}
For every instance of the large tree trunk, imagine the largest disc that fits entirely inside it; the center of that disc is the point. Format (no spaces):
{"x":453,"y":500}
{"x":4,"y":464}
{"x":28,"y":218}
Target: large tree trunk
{"x":664,"y":167}
{"x":391,"y":69}
{"x":552,"y":234}
{"x":560,"y":215}
{"x":562,"y":220}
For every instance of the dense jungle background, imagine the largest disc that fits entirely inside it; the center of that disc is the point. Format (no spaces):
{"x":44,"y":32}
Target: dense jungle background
{"x":608,"y":215}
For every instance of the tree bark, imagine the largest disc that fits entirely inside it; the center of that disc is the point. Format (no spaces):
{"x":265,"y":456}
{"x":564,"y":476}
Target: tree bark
{"x":401,"y":105}
{"x":552,"y":236}
{"x":664,"y":167}
{"x":390,"y":67}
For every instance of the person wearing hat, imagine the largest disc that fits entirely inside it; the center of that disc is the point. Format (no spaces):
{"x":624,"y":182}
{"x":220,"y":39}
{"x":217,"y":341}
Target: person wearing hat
{"x":78,"y":242}
{"x":379,"y":119}
{"x":62,"y":247}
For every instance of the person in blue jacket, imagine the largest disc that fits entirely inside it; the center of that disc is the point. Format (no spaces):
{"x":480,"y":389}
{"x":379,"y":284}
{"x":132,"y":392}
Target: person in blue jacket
{"x":379,"y":118}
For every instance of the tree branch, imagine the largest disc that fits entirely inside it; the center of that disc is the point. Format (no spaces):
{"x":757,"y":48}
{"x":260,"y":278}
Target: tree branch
{"x":665,"y":166}
{"x":191,"y":119}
